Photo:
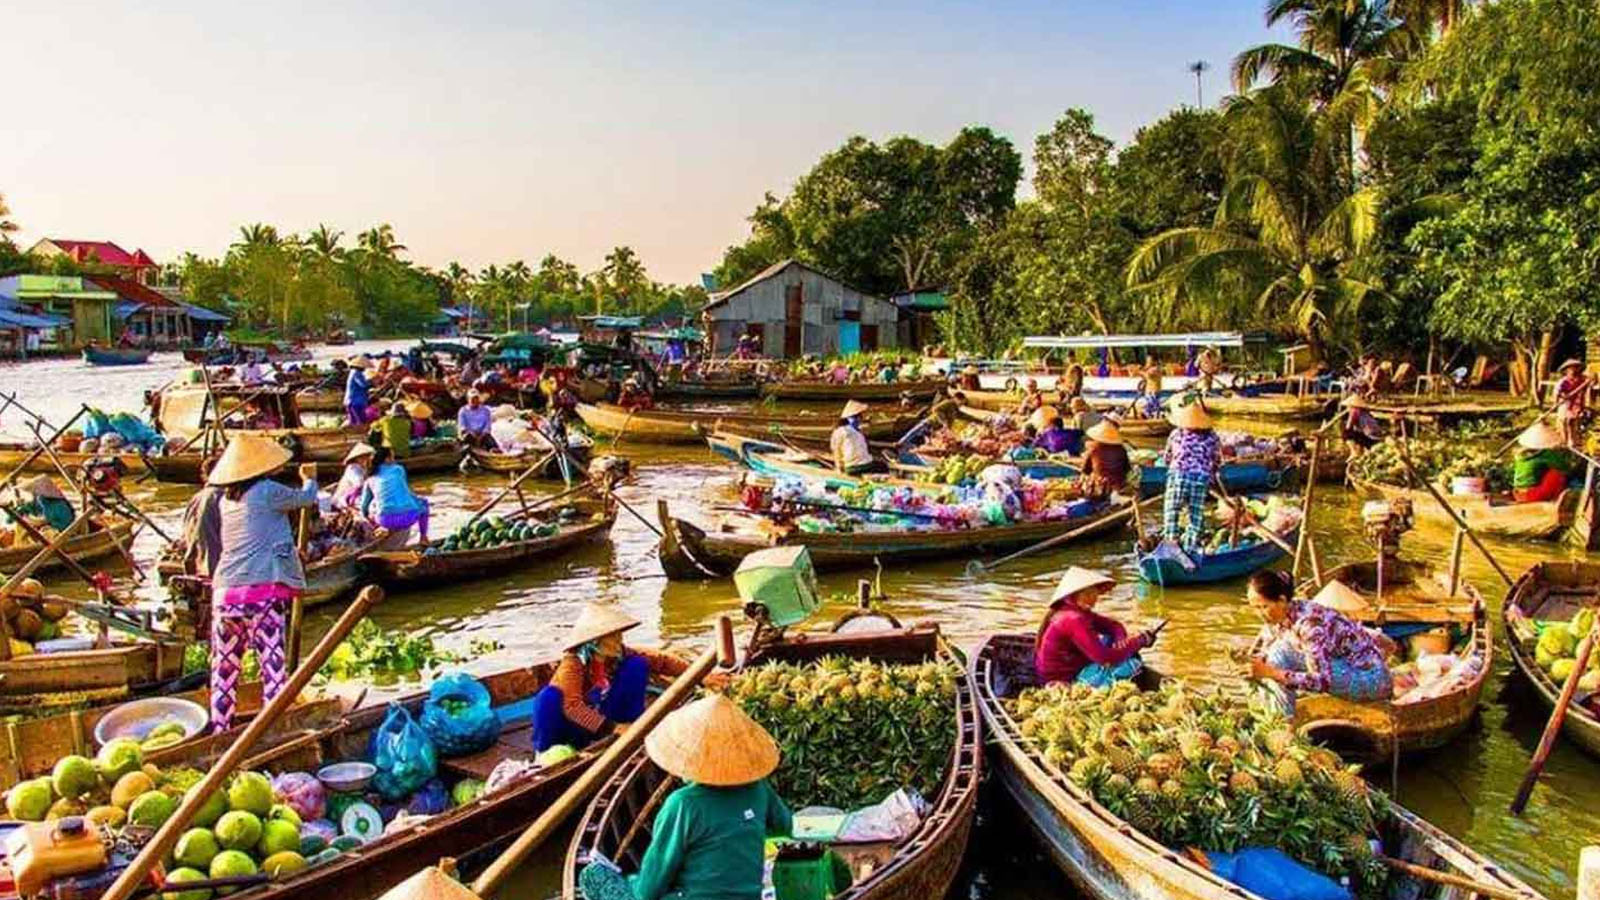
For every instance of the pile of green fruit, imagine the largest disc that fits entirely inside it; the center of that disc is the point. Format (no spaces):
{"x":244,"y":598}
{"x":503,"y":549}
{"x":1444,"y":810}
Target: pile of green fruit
{"x":955,"y":469}
{"x":1193,"y":769}
{"x":853,"y":731}
{"x":492,"y":532}
{"x":240,"y":831}
{"x":1555,"y":649}
{"x":1435,"y":460}
{"x":385,"y":656}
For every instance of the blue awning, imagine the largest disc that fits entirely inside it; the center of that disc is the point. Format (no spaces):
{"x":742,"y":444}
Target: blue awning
{"x":126,"y":308}
{"x":14,"y":319}
{"x":1095,"y":341}
{"x":201,"y":314}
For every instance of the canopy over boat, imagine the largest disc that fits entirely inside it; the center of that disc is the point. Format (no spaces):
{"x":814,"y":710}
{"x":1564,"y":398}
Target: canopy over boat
{"x":1096,"y":341}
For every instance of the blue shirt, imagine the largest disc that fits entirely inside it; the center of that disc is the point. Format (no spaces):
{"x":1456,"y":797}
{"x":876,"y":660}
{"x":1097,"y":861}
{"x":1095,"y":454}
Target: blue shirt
{"x":355,"y":388}
{"x":473,"y":421}
{"x":388,"y":489}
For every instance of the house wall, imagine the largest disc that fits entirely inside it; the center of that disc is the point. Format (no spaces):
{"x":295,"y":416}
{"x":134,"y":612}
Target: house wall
{"x":825,"y":305}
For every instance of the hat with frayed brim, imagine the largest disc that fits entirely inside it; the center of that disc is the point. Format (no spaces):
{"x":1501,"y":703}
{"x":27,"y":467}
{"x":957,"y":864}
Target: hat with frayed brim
{"x":1189,"y":415}
{"x":361,"y":362}
{"x":420,"y":410}
{"x":1077,"y":579}
{"x":1570,"y":364}
{"x":596,"y":621}
{"x":970,"y":370}
{"x":1104,"y":432}
{"x":853,"y":408}
{"x":359,"y":450}
{"x":1043,"y":416}
{"x":1341,"y":598}
{"x":42,"y":486}
{"x":249,"y":456}
{"x":713,"y":742}
{"x":1540,"y":436}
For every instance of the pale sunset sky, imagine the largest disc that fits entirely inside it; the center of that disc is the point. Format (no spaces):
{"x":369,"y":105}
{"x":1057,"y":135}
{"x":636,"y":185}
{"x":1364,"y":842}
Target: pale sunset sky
{"x":489,"y":131}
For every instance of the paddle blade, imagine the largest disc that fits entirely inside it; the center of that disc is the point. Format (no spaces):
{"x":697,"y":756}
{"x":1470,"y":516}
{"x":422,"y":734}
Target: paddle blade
{"x":975,"y":568}
{"x":429,"y":884}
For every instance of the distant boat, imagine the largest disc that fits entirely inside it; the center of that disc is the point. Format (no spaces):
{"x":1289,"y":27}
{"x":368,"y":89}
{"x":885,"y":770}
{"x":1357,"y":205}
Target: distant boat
{"x":116,"y":356}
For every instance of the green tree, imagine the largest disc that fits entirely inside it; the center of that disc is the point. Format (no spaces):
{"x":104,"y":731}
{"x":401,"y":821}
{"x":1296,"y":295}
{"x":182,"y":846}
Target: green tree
{"x":7,"y":227}
{"x":324,"y":242}
{"x":625,"y":277}
{"x":380,"y":241}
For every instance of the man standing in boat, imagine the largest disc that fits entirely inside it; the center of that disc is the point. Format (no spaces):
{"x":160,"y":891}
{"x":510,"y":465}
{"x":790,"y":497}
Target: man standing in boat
{"x":851,"y":453}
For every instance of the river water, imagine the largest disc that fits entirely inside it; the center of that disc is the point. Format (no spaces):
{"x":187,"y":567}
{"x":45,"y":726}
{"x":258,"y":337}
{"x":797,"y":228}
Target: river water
{"x":1464,"y":788}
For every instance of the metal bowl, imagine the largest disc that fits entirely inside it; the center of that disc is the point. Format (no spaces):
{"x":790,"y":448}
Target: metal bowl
{"x":137,"y":718}
{"x":347,"y":777}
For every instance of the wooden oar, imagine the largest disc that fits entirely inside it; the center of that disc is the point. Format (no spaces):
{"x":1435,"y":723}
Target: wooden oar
{"x":39,"y":450}
{"x":168,"y":834}
{"x":1451,"y":879}
{"x":598,"y":772}
{"x":977,"y":566}
{"x":76,"y":567}
{"x":1405,"y":459}
{"x":527,"y":473}
{"x":1557,"y":715}
{"x":1305,"y":503}
{"x":1256,"y":528}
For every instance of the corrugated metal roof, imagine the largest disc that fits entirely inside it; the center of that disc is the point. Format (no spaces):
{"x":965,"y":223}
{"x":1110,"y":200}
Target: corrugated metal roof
{"x":201,"y":314}
{"x":775,"y":268}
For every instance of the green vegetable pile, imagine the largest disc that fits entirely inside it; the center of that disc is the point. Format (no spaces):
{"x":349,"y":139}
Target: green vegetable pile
{"x":1203,"y":770}
{"x":1555,"y":649}
{"x":384,"y":656}
{"x":1437,"y":461}
{"x":491,"y":532}
{"x":853,"y":731}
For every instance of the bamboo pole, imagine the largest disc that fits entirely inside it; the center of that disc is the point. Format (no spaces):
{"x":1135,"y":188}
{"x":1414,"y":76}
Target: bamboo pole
{"x":1451,"y":879}
{"x":168,"y":834}
{"x":1405,"y":459}
{"x":977,"y":566}
{"x":1552,"y":728}
{"x":39,"y":450}
{"x":1305,"y":504}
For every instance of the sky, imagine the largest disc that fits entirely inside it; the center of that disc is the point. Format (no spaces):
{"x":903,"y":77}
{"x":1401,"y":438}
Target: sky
{"x":487,"y":131}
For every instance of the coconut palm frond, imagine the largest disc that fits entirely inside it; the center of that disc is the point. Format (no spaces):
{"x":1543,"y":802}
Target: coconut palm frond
{"x":1349,"y":227}
{"x":1275,"y":62}
{"x":1178,"y":246}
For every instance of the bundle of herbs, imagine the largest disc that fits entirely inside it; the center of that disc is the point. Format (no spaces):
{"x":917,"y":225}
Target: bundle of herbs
{"x":1438,"y":461}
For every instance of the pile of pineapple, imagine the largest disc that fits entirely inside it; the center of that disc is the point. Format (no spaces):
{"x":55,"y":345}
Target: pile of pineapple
{"x":1196,"y":769}
{"x":853,"y":731}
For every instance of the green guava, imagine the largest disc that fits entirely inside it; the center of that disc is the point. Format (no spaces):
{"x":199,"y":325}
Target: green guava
{"x":285,"y":863}
{"x":276,"y":837}
{"x":196,"y":848}
{"x":238,"y":830}
{"x":29,"y":801}
{"x":250,"y":792}
{"x":283,"y":812}
{"x":74,"y":776}
{"x":179,"y":876}
{"x":231,"y":863}
{"x":118,"y":758}
{"x":211,"y":810}
{"x":152,"y":809}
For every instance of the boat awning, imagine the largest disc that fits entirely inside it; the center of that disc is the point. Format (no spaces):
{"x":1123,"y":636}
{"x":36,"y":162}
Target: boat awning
{"x":201,"y":314}
{"x":126,"y":308}
{"x":1096,"y":341}
{"x":13,"y":319}
{"x":619,"y":322}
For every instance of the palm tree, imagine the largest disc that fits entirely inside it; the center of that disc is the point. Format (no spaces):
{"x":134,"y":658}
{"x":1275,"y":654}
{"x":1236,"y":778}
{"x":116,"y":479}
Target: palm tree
{"x":459,"y":280}
{"x":257,"y":235}
{"x":1289,"y":233}
{"x":624,"y":272}
{"x":517,"y":276}
{"x":380,"y":241}
{"x":7,"y":227}
{"x":492,"y":286}
{"x":324,"y":242}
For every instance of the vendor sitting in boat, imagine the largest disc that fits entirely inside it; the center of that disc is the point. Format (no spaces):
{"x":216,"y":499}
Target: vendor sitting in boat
{"x":1542,"y":465}
{"x":1076,"y":644}
{"x":422,"y":426}
{"x":633,"y":395}
{"x":1032,"y":397}
{"x":357,"y":393}
{"x":393,"y":431}
{"x":45,"y":507}
{"x":710,"y":837}
{"x":1314,"y":646}
{"x":473,"y":422}
{"x":1148,"y":404}
{"x":851,"y":452}
{"x":387,"y":499}
{"x":1053,"y":434}
{"x":1105,"y":461}
{"x":357,"y":466}
{"x":598,"y":682}
{"x":969,"y":378}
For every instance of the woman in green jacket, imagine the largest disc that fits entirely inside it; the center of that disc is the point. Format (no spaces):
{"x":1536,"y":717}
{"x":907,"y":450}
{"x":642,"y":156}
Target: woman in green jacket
{"x":46,"y":502}
{"x":708,"y":841}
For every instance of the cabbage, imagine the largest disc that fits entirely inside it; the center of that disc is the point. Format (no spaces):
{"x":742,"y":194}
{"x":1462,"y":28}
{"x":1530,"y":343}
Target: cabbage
{"x":1557,"y":642}
{"x":1579,"y":627}
{"x":301,"y":792}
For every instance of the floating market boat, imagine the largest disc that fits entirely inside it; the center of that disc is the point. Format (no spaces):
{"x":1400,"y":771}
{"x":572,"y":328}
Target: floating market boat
{"x":1146,"y":429}
{"x":185,"y":411}
{"x":1243,"y":475}
{"x":83,"y":547}
{"x":119,"y":669}
{"x":1288,"y":406}
{"x":116,"y":356}
{"x":1208,"y":567}
{"x":446,"y":561}
{"x":710,"y":389}
{"x":921,"y":866}
{"x":1484,"y":513}
{"x":14,"y":453}
{"x":1108,"y":859}
{"x":670,"y":426}
{"x":1414,"y":596}
{"x":865,"y":391}
{"x":1552,"y":591}
{"x":774,"y":460}
{"x":316,"y":399}
{"x":579,"y":449}
{"x":1445,"y":410}
{"x":688,"y":552}
{"x":242,"y":352}
{"x":438,"y":456}
{"x":328,"y":578}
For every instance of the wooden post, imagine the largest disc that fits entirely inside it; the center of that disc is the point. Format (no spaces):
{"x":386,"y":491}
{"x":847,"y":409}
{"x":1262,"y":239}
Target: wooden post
{"x":1456,"y":547}
{"x":1305,"y":503}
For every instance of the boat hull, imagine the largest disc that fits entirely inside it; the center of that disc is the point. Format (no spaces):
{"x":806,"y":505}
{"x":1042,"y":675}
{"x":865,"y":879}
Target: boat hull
{"x":658,"y":426}
{"x":863,"y":391}
{"x":1212,"y":567}
{"x":13,"y":455}
{"x":118,"y":356}
{"x":83,"y":548}
{"x":1541,"y":520}
{"x":401,"y":569}
{"x":1556,"y":588}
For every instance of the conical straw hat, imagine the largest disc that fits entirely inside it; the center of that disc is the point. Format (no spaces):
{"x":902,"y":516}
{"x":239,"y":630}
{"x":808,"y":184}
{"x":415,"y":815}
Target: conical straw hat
{"x":1540,"y":436}
{"x":853,"y":408}
{"x":1570,"y":364}
{"x":1105,"y":431}
{"x":1338,"y":596}
{"x":712,"y":742}
{"x":1041,"y":418}
{"x":1189,"y":414}
{"x":1076,"y":579}
{"x":248,"y":456}
{"x":420,"y":410}
{"x":360,"y":362}
{"x":362,"y":448}
{"x":429,"y":884}
{"x":596,"y":621}
{"x":42,"y":486}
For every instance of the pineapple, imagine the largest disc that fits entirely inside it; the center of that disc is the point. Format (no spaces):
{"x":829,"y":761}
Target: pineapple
{"x":1160,"y":766}
{"x":1123,"y":762}
{"x":1278,"y":741}
{"x":1288,"y":773}
{"x":1243,"y":783}
{"x":1194,"y":744}
{"x":1350,"y":786}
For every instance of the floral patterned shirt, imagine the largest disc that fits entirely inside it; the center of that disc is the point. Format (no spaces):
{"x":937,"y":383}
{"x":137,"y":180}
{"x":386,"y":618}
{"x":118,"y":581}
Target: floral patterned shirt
{"x":1194,"y":451}
{"x":1325,"y":635}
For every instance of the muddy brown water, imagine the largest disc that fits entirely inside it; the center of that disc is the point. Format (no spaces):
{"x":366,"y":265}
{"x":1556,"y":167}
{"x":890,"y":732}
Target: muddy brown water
{"x":1464,"y":788}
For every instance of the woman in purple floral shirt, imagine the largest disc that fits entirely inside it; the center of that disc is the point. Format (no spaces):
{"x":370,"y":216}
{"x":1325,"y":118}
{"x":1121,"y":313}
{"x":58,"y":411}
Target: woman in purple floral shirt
{"x":1193,"y":454}
{"x":1314,"y":647}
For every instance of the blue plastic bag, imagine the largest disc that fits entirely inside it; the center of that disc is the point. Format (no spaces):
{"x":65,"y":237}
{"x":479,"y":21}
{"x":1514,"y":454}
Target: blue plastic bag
{"x":135,"y":431}
{"x":96,"y":424}
{"x":457,"y":715}
{"x":403,"y":755}
{"x":1273,"y":874}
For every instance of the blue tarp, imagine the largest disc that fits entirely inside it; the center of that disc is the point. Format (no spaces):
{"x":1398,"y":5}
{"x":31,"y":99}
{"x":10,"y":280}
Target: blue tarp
{"x":126,"y":308}
{"x":15,"y":319}
{"x":201,"y":314}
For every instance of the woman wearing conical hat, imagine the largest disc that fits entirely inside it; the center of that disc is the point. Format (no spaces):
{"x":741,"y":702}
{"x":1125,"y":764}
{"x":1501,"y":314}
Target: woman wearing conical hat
{"x":1319,"y":646}
{"x":258,"y":573}
{"x":1077,"y":644}
{"x":709,"y":839}
{"x":1572,"y":401}
{"x":358,"y":392}
{"x":851,"y":452}
{"x":1542,"y":465}
{"x":45,"y":501}
{"x":1193,"y":453}
{"x":599,"y":681}
{"x":1105,"y":461}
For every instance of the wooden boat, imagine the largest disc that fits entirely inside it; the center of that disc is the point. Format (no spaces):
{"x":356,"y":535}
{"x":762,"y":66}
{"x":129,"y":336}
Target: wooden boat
{"x":1240,"y":475}
{"x":123,"y":668}
{"x":1414,"y":593}
{"x":1445,"y":410}
{"x":865,"y":391}
{"x":1108,"y":859}
{"x":579,"y":447}
{"x":116,"y":356}
{"x":775,"y":460}
{"x":412,"y":566}
{"x":440,"y":456}
{"x":920,"y":867}
{"x":670,"y":426}
{"x":329,"y":578}
{"x":182,"y":412}
{"x":687,"y":552}
{"x":710,"y":389}
{"x":12,"y":453}
{"x":1134,"y":430}
{"x":1273,"y":406}
{"x":83,"y":547}
{"x":315,"y":399}
{"x":1484,"y":513}
{"x":1211,"y":567}
{"x":1553,"y":590}
{"x":239,"y":353}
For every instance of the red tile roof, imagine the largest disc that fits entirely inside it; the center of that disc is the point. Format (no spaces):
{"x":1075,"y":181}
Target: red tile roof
{"x":128,"y":289}
{"x":104,"y":251}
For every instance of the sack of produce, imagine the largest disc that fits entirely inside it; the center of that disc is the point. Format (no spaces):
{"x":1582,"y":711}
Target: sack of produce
{"x":302,"y":792}
{"x":457,"y":716}
{"x":403,"y":754}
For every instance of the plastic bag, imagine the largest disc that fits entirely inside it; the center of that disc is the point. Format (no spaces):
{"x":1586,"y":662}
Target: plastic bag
{"x":457,"y":716}
{"x":96,"y":423}
{"x":403,"y":754}
{"x":893,"y":819}
{"x":302,"y":792}
{"x":135,"y":431}
{"x":1271,"y":873}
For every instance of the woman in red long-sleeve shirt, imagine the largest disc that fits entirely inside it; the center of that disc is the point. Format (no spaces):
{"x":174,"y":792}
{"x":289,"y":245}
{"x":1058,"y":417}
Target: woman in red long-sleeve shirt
{"x":1077,"y":644}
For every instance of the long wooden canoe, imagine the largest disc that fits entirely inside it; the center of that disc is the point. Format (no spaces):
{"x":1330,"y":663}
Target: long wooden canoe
{"x":774,"y":460}
{"x":12,"y":453}
{"x":670,"y":426}
{"x":1485,"y":514}
{"x":84,"y":547}
{"x":922,"y":866}
{"x":116,"y":356}
{"x":416,"y":567}
{"x":1210,"y":567}
{"x":327,"y":579}
{"x":121,"y":669}
{"x":1550,"y":591}
{"x":688,"y":553}
{"x":865,"y":391}
{"x":579,"y":449}
{"x":719,"y":389}
{"x":461,"y":832}
{"x":319,"y":399}
{"x":1272,"y":406}
{"x":184,"y":467}
{"x":1146,"y":430}
{"x":1413,"y":593}
{"x":1108,"y":859}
